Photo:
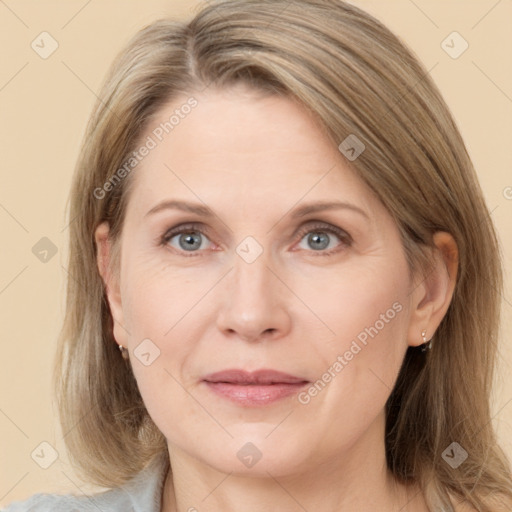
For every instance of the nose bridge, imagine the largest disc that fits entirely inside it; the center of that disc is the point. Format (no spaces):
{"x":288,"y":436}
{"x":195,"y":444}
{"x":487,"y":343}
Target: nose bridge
{"x":254,"y":302}
{"x":252,"y":276}
{"x":252,"y":279}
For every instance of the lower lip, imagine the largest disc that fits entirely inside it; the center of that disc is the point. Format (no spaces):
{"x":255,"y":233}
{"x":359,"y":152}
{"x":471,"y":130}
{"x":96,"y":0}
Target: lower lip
{"x":253,"y":394}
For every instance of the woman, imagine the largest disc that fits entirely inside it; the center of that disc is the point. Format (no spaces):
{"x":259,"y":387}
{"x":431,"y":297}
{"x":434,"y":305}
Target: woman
{"x":275,"y":219}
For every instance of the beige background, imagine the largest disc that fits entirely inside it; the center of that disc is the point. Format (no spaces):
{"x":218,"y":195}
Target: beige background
{"x":45,"y":104}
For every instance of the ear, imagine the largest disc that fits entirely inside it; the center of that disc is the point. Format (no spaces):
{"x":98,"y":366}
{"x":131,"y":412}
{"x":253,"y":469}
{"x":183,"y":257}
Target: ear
{"x":432,"y":297}
{"x":104,"y":255}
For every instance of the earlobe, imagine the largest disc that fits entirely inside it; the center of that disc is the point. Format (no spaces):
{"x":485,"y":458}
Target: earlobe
{"x":432,"y":297}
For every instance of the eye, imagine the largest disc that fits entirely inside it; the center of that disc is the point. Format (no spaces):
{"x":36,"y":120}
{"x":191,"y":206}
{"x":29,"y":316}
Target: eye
{"x":189,"y":238}
{"x":319,"y":237}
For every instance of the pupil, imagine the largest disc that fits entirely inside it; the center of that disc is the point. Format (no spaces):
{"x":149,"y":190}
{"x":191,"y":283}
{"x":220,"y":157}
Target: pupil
{"x":191,"y":241}
{"x":317,"y":239}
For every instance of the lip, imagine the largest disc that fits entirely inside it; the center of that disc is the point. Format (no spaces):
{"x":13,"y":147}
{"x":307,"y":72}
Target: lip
{"x":263,"y":376}
{"x":258,"y":388}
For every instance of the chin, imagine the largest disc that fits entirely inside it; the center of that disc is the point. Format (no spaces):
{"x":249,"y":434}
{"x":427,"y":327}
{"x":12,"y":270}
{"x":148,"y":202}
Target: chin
{"x":256,"y":455}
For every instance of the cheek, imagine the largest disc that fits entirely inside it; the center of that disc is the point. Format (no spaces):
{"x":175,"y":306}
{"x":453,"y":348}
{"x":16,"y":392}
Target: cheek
{"x":366,"y":312}
{"x":364,"y":300}
{"x":156,"y":298}
{"x":161,"y":307}
{"x":159,"y":315}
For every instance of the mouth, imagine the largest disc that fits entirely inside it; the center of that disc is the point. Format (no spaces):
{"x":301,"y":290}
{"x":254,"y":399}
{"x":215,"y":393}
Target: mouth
{"x":261,"y":387}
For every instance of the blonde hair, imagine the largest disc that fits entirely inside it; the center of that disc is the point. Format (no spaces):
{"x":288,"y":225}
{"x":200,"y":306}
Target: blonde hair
{"x":358,"y":79}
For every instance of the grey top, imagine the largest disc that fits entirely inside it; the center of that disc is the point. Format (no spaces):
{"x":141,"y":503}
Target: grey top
{"x":143,"y":493}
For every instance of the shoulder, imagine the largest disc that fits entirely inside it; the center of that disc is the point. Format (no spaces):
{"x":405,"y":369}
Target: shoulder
{"x":141,"y":494}
{"x":37,"y":503}
{"x":114,"y":499}
{"x":40,"y":503}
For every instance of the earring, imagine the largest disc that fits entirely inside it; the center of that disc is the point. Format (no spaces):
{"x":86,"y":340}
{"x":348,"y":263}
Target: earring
{"x":427,"y":345}
{"x":124,"y":352}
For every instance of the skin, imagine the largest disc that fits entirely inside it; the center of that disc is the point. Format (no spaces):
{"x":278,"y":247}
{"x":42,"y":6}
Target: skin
{"x":253,"y":160}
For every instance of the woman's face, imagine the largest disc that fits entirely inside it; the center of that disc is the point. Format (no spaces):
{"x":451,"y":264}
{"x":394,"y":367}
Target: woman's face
{"x":259,"y":283}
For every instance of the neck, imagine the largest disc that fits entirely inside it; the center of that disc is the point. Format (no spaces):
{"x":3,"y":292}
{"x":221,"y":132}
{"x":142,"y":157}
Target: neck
{"x":352,"y":480}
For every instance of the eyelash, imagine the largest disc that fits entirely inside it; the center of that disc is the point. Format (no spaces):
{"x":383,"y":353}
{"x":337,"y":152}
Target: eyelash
{"x":345,"y":238}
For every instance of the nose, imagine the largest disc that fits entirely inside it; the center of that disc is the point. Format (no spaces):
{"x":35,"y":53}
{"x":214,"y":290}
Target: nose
{"x":254,"y":305}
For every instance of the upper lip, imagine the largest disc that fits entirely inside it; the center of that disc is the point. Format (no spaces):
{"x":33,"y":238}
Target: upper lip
{"x":263,"y":376}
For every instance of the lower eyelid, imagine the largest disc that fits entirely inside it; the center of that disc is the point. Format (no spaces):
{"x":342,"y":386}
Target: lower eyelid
{"x":344,"y":243}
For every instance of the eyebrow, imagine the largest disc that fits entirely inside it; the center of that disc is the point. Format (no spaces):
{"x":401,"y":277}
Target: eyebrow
{"x":302,"y":211}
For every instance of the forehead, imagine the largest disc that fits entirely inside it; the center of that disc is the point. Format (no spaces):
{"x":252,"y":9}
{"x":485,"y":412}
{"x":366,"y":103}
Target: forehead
{"x":236,"y":143}
{"x":242,"y":123}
